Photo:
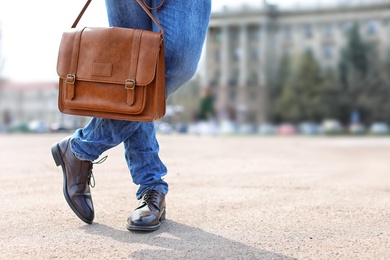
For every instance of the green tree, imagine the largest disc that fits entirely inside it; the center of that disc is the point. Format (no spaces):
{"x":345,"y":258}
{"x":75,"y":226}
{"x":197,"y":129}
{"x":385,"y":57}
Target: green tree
{"x":354,"y":69}
{"x":301,"y":98}
{"x":283,"y":78}
{"x":330,"y":93}
{"x":374,"y":101}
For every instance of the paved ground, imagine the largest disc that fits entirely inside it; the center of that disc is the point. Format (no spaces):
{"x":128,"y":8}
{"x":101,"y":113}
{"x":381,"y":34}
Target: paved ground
{"x":230,"y":198}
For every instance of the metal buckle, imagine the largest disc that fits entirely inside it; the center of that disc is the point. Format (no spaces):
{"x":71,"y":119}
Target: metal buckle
{"x":130,"y":84}
{"x":70,"y":79}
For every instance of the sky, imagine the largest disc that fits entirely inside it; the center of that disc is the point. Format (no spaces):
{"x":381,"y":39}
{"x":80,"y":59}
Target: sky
{"x":32,"y":30}
{"x":31,"y":34}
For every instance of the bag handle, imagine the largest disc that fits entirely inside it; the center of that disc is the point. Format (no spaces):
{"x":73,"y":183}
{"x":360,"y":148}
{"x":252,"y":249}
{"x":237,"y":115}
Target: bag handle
{"x":142,"y":3}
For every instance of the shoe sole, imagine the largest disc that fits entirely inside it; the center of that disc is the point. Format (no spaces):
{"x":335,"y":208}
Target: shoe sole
{"x":55,"y":151}
{"x":147,"y":228}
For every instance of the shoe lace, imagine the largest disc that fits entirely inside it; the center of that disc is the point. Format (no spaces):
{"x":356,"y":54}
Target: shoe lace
{"x":151,"y":196}
{"x":90,"y":174}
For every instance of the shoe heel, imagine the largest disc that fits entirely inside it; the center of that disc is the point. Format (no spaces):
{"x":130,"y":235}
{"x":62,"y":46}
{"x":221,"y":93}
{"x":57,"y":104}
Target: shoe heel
{"x":55,"y":151}
{"x":163,"y":215}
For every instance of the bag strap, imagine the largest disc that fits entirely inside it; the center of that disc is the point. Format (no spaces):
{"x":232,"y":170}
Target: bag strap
{"x":81,"y":14}
{"x":147,"y":10}
{"x":142,"y":3}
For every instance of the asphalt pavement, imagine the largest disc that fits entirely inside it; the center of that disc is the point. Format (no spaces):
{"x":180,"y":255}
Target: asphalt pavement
{"x":231,"y":197}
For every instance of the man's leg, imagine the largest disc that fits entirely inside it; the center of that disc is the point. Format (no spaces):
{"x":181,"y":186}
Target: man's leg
{"x":185,"y":25}
{"x":141,"y":148}
{"x":76,"y":153}
{"x":146,"y":167}
{"x":147,"y":170}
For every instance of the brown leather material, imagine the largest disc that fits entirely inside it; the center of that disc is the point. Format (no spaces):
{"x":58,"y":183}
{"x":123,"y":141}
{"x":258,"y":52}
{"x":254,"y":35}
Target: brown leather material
{"x":142,"y":3}
{"x":81,"y":13}
{"x":116,"y":73}
{"x":76,"y":175}
{"x":149,"y":213}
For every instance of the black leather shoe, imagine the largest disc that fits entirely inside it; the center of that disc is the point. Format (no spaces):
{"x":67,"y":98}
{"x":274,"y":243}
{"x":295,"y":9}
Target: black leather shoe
{"x":149,"y":214}
{"x":77,"y":175}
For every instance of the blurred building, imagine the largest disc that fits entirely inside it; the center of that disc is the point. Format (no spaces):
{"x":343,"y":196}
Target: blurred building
{"x":244,"y":47}
{"x":26,"y":103}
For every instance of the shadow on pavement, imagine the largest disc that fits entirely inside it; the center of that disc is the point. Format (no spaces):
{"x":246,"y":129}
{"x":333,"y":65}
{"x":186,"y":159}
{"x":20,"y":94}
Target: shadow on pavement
{"x":178,"y":241}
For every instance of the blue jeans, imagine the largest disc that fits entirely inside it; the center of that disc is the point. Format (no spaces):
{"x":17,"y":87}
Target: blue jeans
{"x":185,"y":24}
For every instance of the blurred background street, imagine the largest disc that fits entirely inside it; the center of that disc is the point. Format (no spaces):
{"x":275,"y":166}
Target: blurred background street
{"x":268,"y":67}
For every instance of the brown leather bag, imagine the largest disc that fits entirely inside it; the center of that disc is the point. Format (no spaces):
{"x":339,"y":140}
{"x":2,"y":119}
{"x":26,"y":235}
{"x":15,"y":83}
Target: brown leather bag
{"x":116,"y":73}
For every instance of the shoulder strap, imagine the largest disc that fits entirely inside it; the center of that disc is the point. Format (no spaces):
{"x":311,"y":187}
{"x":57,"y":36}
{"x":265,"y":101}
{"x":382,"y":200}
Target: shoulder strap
{"x":81,"y":14}
{"x":140,"y":2}
{"x":146,"y":9}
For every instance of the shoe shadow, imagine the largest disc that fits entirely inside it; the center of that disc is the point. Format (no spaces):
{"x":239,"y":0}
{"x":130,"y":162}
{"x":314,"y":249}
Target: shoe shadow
{"x":178,"y":241}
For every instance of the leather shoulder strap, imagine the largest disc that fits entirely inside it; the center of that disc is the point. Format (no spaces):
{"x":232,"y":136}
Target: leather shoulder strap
{"x":140,"y":2}
{"x":81,"y":14}
{"x":146,"y":9}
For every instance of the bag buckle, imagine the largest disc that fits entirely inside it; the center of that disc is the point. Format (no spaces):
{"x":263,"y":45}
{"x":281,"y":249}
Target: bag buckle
{"x":70,"y":79}
{"x":130,"y":84}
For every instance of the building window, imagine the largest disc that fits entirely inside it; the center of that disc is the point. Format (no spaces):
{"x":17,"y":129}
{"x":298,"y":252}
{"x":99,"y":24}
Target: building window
{"x":253,"y":78}
{"x":253,"y":97}
{"x":372,"y":27}
{"x":237,"y":53}
{"x":232,"y":96}
{"x":308,"y":31}
{"x":255,"y":54}
{"x":329,"y":30}
{"x":287,"y":32}
{"x":234,"y":78}
{"x":218,"y":36}
{"x":215,"y":79}
{"x":347,"y":27}
{"x":254,"y":33}
{"x":328,"y":51}
{"x":218,"y":55}
{"x":234,"y":34}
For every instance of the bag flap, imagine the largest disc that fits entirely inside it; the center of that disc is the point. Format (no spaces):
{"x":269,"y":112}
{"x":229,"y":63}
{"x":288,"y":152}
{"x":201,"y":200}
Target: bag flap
{"x":108,"y":55}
